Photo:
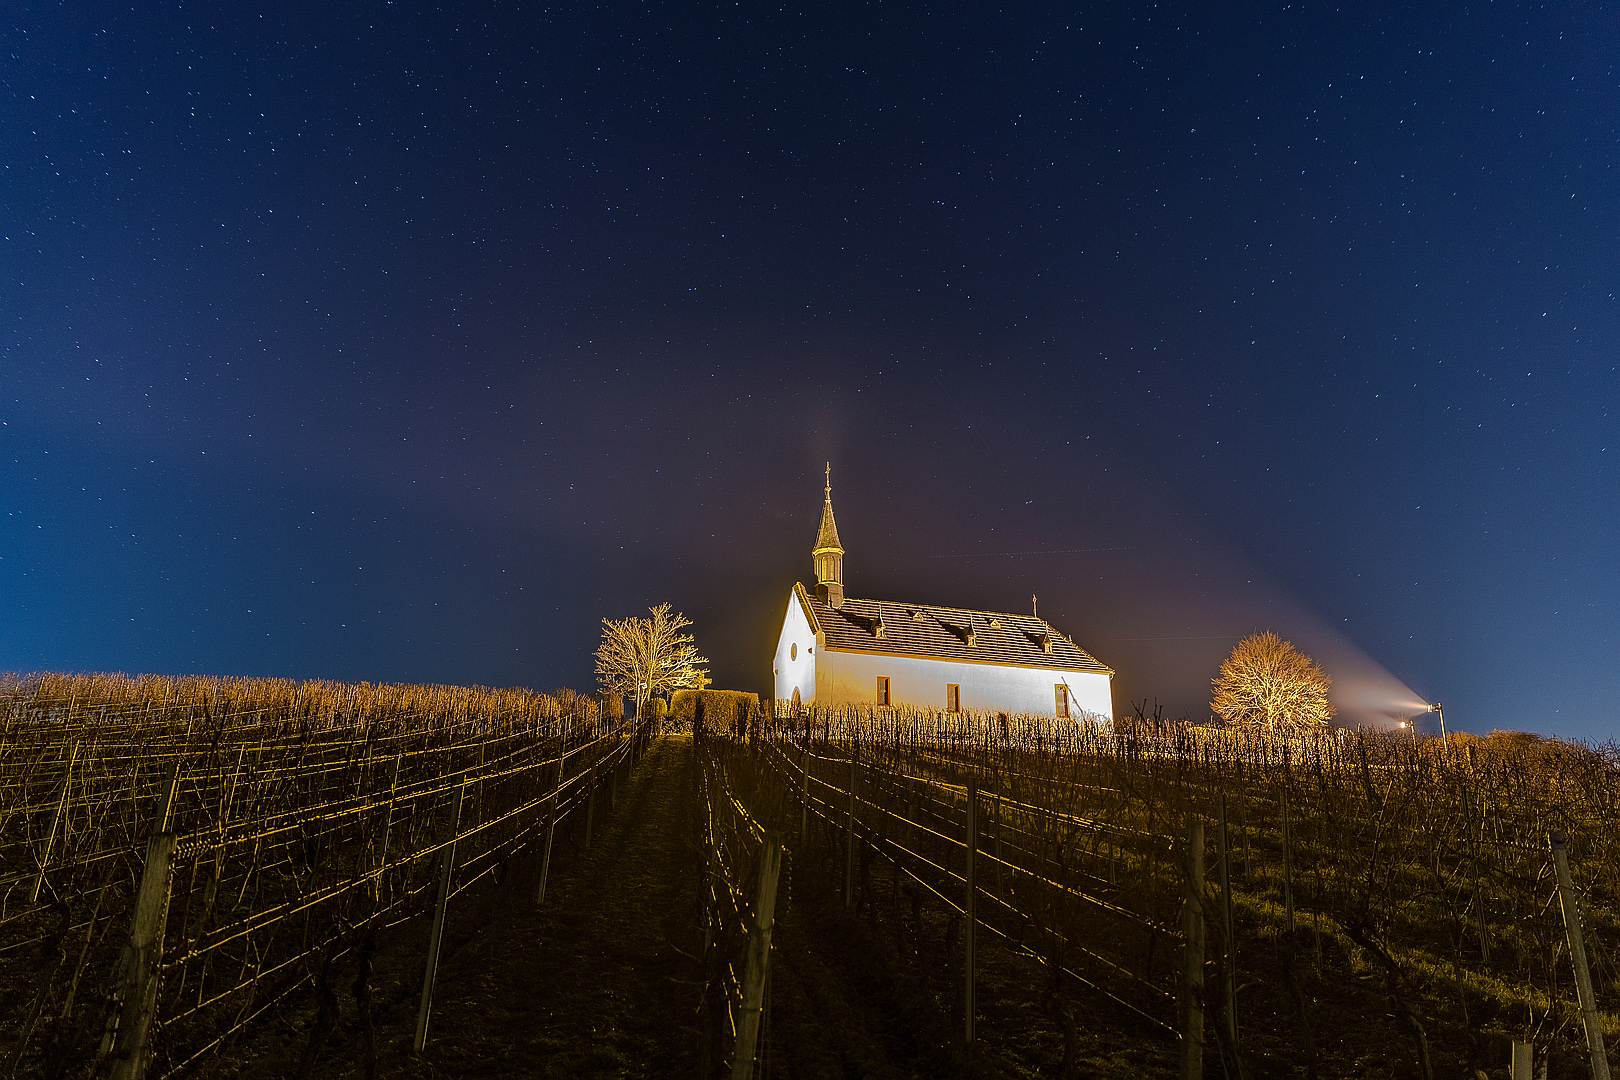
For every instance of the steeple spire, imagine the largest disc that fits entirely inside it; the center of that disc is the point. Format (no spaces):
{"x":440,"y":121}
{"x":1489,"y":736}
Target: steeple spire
{"x":828,"y":553}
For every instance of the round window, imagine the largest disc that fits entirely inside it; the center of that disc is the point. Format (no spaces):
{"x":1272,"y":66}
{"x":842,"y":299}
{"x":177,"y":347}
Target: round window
{"x":793,"y":651}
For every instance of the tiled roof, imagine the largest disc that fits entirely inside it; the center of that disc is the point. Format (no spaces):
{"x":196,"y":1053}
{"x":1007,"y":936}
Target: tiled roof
{"x":942,"y":633}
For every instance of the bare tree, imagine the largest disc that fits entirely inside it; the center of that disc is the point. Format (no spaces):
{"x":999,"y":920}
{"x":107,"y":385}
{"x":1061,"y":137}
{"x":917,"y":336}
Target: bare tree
{"x":643,"y":657}
{"x":1267,"y":682}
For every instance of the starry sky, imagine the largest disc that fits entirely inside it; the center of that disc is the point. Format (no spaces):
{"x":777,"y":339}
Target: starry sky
{"x":385,"y":342}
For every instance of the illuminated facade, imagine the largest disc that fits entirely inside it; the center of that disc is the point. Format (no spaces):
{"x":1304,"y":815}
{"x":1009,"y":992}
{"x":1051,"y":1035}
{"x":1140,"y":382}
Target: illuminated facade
{"x":835,"y":649}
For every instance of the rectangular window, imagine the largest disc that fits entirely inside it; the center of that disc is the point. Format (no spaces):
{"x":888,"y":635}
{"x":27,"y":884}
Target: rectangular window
{"x":1062,"y":701}
{"x":953,"y":697}
{"x":883,"y":689}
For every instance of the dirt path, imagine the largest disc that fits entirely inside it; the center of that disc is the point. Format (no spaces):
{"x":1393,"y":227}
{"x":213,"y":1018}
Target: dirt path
{"x":595,"y":983}
{"x":601,"y":983}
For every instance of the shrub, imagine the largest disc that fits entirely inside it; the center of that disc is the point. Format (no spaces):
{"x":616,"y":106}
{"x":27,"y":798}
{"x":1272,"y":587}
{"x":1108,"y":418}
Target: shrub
{"x":722,"y":709}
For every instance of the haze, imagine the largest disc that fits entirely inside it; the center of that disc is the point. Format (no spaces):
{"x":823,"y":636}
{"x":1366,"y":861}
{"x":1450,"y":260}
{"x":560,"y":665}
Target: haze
{"x":379,"y":344}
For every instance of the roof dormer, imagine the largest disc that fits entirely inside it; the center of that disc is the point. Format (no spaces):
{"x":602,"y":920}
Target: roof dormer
{"x":964,"y":634}
{"x":872,"y":624}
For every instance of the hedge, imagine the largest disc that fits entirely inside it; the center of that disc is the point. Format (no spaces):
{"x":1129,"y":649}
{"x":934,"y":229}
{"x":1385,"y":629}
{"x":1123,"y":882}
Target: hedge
{"x":721,"y":708}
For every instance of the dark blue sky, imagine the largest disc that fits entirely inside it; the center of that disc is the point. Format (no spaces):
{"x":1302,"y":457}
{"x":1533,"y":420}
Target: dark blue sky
{"x":366,"y":342}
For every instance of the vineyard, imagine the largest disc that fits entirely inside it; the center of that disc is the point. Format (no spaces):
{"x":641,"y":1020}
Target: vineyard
{"x":183,"y":856}
{"x":1190,"y":901}
{"x":201,"y":875}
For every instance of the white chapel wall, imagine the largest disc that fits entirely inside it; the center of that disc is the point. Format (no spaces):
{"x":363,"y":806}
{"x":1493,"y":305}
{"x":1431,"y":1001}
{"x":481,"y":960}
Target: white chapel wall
{"x":795,"y":663}
{"x":851,"y":678}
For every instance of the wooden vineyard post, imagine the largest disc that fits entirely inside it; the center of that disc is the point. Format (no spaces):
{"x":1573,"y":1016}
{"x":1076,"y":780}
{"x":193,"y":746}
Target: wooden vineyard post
{"x":137,"y":980}
{"x":1570,"y":902}
{"x":849,"y":847}
{"x":447,"y":866}
{"x":551,"y":832}
{"x":140,"y":961}
{"x":1228,"y":943}
{"x":56,"y":821}
{"x":759,"y":957}
{"x":1192,"y":976}
{"x":969,"y":912}
{"x":1522,"y":1057}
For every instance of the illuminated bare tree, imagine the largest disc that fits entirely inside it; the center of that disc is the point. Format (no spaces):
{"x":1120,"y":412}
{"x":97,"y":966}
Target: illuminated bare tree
{"x":1266,"y":682}
{"x":643,"y":657}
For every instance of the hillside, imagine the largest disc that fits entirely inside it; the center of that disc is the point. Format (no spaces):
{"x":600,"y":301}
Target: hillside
{"x":1393,"y":909}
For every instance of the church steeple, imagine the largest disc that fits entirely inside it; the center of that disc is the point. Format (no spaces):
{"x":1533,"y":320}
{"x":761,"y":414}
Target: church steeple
{"x":829,"y":553}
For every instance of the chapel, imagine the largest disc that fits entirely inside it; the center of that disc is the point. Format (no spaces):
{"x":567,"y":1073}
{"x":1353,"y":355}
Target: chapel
{"x":838,"y":649}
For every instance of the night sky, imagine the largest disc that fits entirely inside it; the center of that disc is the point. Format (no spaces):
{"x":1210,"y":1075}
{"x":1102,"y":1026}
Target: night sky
{"x":367,"y":342}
